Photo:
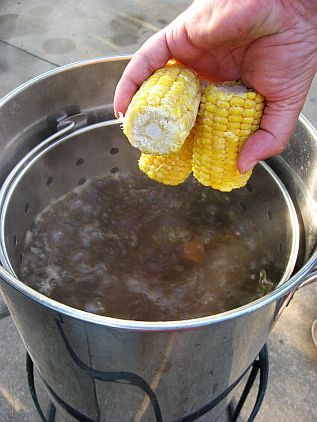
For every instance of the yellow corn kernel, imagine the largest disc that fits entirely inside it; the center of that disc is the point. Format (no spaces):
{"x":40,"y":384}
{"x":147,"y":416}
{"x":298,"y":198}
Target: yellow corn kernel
{"x":210,"y":107}
{"x":220,"y":127}
{"x":259,"y":98}
{"x":163,"y":111}
{"x":245,"y":132}
{"x":223,"y":104}
{"x":171,"y":169}
{"x":251,"y":95}
{"x":259,"y":106}
{"x":221,"y":120}
{"x":247,"y":120}
{"x":233,"y":125}
{"x":217,"y":144}
{"x":249,"y":104}
{"x":236,"y":132}
{"x":210,"y":100}
{"x":236,"y":101}
{"x":248,"y":112}
{"x":221,"y":112}
{"x":238,"y":111}
{"x":235,"y":119}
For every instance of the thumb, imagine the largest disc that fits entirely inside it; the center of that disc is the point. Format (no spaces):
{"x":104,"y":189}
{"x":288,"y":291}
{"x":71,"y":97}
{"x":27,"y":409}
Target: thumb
{"x":277,"y":124}
{"x":153,"y":55}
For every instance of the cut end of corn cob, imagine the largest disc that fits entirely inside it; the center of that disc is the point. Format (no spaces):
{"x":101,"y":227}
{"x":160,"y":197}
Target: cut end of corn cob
{"x":163,"y":111}
{"x":171,"y":169}
{"x":228,"y":114}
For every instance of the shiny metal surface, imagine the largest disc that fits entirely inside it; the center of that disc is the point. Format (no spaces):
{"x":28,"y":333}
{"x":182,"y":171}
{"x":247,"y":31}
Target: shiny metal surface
{"x":69,"y":181}
{"x":187,"y":365}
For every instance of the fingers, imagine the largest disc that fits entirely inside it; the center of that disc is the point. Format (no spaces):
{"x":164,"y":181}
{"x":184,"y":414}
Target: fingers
{"x":277,"y":124}
{"x":153,"y":55}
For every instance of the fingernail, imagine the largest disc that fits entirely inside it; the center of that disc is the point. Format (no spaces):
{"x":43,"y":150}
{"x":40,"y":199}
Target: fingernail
{"x":120,"y":117}
{"x":250,"y":165}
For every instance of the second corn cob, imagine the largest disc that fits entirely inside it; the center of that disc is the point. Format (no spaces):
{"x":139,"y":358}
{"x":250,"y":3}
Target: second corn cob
{"x":171,"y":169}
{"x":228,"y":114}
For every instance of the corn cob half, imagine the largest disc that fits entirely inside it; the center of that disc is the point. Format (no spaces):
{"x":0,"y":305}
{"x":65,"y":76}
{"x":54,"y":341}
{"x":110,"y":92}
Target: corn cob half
{"x":228,"y":114}
{"x":163,"y":111}
{"x":171,"y":169}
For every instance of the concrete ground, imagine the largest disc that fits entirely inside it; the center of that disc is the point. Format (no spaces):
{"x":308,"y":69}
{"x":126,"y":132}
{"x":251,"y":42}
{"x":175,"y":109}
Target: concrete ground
{"x":38,"y":35}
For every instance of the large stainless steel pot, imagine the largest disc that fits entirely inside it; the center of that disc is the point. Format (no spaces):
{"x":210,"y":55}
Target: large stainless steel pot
{"x":187,"y":363}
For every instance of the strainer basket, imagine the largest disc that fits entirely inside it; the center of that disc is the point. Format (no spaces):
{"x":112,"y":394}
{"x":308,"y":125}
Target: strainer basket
{"x":64,"y":161}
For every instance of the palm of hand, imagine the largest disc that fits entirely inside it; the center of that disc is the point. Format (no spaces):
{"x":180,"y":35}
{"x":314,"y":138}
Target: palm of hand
{"x":279,"y":66}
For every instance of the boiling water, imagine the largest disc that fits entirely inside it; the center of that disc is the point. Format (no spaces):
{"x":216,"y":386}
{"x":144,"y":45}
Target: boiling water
{"x":134,"y":249}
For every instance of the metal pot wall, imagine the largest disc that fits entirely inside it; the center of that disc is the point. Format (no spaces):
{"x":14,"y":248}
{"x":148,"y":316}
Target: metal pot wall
{"x":101,"y":366}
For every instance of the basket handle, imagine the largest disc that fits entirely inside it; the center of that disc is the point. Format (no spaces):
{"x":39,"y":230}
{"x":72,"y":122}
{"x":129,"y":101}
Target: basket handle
{"x":285,"y":300}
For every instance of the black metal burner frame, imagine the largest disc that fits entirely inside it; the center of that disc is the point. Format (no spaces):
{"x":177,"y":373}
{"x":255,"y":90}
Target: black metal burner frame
{"x":259,"y":366}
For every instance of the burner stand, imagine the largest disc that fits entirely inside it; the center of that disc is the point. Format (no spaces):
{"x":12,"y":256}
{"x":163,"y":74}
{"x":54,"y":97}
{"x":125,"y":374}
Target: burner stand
{"x":259,"y":366}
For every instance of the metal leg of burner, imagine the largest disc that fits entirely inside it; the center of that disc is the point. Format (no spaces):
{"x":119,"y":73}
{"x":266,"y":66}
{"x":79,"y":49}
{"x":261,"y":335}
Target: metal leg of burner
{"x":30,"y":378}
{"x":260,"y":365}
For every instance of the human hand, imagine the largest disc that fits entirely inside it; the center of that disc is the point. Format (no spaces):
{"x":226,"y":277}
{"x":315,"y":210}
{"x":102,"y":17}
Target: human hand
{"x":270,"y":45}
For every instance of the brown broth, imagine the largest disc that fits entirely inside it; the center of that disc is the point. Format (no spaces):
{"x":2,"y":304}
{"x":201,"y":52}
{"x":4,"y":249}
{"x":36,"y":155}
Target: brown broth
{"x":134,"y":249}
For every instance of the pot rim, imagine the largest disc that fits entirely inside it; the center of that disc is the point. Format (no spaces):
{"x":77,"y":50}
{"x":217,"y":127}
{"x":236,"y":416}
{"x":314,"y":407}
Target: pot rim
{"x":131,"y":325}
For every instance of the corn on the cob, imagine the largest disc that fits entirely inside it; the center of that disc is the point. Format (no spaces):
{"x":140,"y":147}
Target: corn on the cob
{"x":171,"y":169}
{"x":163,"y":111}
{"x":228,"y":114}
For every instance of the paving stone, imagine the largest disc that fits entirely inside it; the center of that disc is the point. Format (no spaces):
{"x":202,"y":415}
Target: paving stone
{"x":15,"y":400}
{"x":17,"y":67}
{"x":63,"y":32}
{"x":292,"y":386}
